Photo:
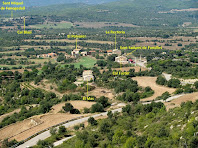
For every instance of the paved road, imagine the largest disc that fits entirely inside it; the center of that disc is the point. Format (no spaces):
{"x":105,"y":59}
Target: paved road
{"x":62,"y":140}
{"x":167,"y":100}
{"x":46,"y":134}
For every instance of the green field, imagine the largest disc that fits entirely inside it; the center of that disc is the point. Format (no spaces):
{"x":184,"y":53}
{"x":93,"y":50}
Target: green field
{"x":86,"y":62}
{"x":53,"y":25}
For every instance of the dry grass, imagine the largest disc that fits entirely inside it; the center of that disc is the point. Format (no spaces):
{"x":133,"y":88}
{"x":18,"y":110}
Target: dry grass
{"x":150,"y":81}
{"x":177,"y":102}
{"x":137,"y":69}
{"x":47,"y":120}
{"x":186,"y":41}
{"x":76,"y":104}
{"x":99,"y":92}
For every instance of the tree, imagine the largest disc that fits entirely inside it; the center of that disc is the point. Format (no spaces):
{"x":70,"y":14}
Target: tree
{"x":196,"y":84}
{"x":148,"y":88}
{"x":127,"y":109}
{"x":110,"y":114}
{"x":92,"y":121}
{"x":68,"y":107}
{"x":193,"y":142}
{"x":104,"y":101}
{"x":130,"y":143}
{"x":62,"y":130}
{"x":175,"y":83}
{"x":53,"y":131}
{"x":161,"y":80}
{"x":74,"y":111}
{"x":97,"y":108}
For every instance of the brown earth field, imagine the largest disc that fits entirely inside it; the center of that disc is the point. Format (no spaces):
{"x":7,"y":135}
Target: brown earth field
{"x":99,"y":92}
{"x":148,"y":41}
{"x":101,"y":24}
{"x":28,"y":127}
{"x":177,"y":102}
{"x":150,"y":81}
{"x":76,"y":104}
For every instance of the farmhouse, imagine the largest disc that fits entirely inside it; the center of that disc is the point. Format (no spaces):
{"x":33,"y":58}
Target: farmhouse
{"x":88,"y":75}
{"x":47,"y":55}
{"x":109,"y":52}
{"x":116,"y":51}
{"x":91,"y":52}
{"x":84,"y":53}
{"x":75,"y":52}
{"x":121,"y":60}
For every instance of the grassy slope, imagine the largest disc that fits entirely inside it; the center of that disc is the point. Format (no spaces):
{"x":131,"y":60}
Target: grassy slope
{"x":86,"y":62}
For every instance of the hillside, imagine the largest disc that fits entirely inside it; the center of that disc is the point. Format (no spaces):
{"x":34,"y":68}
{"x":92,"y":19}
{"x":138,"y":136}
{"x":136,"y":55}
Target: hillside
{"x":138,"y":12}
{"x":38,"y":3}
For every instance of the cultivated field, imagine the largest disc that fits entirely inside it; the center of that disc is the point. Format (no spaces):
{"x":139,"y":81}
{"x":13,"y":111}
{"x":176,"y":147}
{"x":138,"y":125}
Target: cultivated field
{"x":150,"y":41}
{"x":85,"y":61}
{"x":53,"y":25}
{"x":101,"y":24}
{"x":150,"y":81}
{"x":37,"y":123}
{"x":70,"y":41}
{"x":77,"y":104}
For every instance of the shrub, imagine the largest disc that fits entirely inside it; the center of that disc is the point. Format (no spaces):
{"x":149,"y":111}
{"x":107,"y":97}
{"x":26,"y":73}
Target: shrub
{"x":97,"y":108}
{"x":92,"y":121}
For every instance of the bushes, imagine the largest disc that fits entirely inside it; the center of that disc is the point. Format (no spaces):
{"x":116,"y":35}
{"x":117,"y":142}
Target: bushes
{"x":175,"y":83}
{"x":92,"y":121}
{"x":104,"y":101}
{"x":69,"y":108}
{"x":97,"y":108}
{"x":161,"y":80}
{"x":164,"y":96}
{"x":129,"y":97}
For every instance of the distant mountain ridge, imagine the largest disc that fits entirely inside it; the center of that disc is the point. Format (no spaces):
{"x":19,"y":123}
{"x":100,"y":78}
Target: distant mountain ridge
{"x":37,"y":3}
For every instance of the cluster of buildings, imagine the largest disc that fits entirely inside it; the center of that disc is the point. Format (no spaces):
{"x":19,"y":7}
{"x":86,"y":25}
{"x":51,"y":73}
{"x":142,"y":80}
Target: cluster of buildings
{"x":48,"y":55}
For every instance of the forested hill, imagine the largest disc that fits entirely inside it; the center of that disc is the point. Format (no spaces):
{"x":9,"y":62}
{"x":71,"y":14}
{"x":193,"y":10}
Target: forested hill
{"x":138,"y":12}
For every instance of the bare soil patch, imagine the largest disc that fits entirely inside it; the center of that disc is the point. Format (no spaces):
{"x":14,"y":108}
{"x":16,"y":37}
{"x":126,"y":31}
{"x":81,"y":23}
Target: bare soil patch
{"x":46,"y":121}
{"x":77,"y":104}
{"x":177,"y":102}
{"x":99,"y":92}
{"x":151,"y":81}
